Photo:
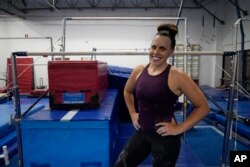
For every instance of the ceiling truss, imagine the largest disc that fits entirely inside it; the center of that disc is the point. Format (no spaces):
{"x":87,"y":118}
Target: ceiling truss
{"x":22,"y":8}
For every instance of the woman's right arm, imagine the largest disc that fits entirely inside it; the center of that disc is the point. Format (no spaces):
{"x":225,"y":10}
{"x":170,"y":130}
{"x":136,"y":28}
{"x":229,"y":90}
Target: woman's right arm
{"x":128,"y":95}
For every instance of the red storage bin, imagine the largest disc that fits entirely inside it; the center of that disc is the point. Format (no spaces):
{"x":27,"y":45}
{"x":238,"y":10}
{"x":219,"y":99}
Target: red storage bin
{"x":76,"y":84}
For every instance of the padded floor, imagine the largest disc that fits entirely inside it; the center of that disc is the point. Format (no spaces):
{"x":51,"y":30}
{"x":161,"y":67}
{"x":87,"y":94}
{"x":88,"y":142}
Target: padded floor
{"x":206,"y":142}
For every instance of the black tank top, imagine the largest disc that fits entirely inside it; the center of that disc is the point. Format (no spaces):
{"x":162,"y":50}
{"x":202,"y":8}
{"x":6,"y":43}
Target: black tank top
{"x":155,"y":100}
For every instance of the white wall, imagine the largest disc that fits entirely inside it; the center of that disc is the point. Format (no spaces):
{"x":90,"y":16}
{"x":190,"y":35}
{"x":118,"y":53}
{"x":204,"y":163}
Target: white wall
{"x":84,"y":35}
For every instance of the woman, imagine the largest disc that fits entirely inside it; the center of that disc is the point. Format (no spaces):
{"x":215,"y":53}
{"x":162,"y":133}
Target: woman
{"x":157,"y":86}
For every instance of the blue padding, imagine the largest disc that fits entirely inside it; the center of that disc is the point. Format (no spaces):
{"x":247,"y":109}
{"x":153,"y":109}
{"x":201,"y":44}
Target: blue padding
{"x":12,"y":153}
{"x":39,"y":165}
{"x":242,"y":129}
{"x":119,"y":71}
{"x":9,"y":139}
{"x":218,"y":102}
{"x":220,"y":94}
{"x":240,"y":107}
{"x":117,"y":78}
{"x":7,"y":109}
{"x":65,"y":145}
{"x":91,"y":164}
{"x":86,"y":138}
{"x":3,"y":100}
{"x":188,"y":158}
{"x":104,"y":112}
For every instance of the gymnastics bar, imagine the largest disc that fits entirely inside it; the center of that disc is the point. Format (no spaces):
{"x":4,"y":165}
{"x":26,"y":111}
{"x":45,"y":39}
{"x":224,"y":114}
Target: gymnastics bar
{"x":18,"y":115}
{"x":179,"y":53}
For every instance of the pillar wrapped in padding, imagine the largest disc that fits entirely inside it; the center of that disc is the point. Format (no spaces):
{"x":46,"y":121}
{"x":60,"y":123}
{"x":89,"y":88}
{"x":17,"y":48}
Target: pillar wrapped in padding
{"x":76,"y":84}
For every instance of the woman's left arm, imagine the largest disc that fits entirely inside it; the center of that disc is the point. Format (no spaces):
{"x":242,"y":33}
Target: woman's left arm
{"x":193,"y":93}
{"x":184,"y":84}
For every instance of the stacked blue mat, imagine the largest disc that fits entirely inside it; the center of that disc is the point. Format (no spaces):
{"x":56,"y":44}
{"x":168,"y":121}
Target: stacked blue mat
{"x":117,"y":78}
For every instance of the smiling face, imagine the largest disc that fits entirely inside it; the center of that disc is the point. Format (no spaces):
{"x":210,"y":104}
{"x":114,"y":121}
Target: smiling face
{"x":160,"y":50}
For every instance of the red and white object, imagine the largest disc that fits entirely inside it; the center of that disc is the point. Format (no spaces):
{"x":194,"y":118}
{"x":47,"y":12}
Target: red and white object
{"x":76,"y":84}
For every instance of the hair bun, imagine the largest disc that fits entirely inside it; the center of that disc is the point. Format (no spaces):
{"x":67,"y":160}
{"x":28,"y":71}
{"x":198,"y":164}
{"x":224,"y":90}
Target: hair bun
{"x":172,"y":28}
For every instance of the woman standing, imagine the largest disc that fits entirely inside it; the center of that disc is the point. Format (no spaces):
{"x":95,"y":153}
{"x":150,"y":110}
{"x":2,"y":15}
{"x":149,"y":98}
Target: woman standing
{"x":157,"y":86}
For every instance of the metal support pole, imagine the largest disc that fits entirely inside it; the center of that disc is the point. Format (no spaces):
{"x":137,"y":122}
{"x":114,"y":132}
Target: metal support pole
{"x":64,"y":34}
{"x":229,"y":115}
{"x":180,"y":11}
{"x":18,"y":115}
{"x":15,"y":87}
{"x":230,"y":105}
{"x":185,"y":100}
{"x":51,"y":46}
{"x":242,"y":57}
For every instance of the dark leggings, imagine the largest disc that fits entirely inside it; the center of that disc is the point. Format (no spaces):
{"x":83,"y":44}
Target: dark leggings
{"x":165,"y":150}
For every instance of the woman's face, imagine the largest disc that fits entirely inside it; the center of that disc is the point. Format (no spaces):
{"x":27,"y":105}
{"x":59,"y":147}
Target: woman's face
{"x":160,"y":50}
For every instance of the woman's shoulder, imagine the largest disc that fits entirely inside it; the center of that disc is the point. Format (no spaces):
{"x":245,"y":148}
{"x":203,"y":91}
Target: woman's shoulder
{"x":175,"y":70}
{"x":177,"y":73}
{"x":139,"y":68}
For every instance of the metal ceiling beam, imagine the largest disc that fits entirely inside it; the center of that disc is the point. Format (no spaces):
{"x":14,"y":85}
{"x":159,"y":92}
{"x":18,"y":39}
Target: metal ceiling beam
{"x":24,"y":2}
{"x":111,"y":7}
{"x":93,"y":3}
{"x":116,"y":3}
{"x":136,"y":3}
{"x":159,"y":3}
{"x":99,"y":4}
{"x":53,"y":7}
{"x":209,"y":12}
{"x":19,"y":8}
{"x":11,"y":9}
{"x":245,"y":12}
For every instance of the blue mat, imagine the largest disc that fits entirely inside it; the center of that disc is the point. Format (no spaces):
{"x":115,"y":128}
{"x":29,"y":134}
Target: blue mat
{"x":218,"y":102}
{"x":218,"y":94}
{"x":74,"y":138}
{"x":7,"y":130}
{"x":206,"y":142}
{"x":7,"y":109}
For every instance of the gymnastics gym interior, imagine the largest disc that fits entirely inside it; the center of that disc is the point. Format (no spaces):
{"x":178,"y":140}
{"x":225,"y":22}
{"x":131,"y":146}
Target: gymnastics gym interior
{"x":64,"y":65}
